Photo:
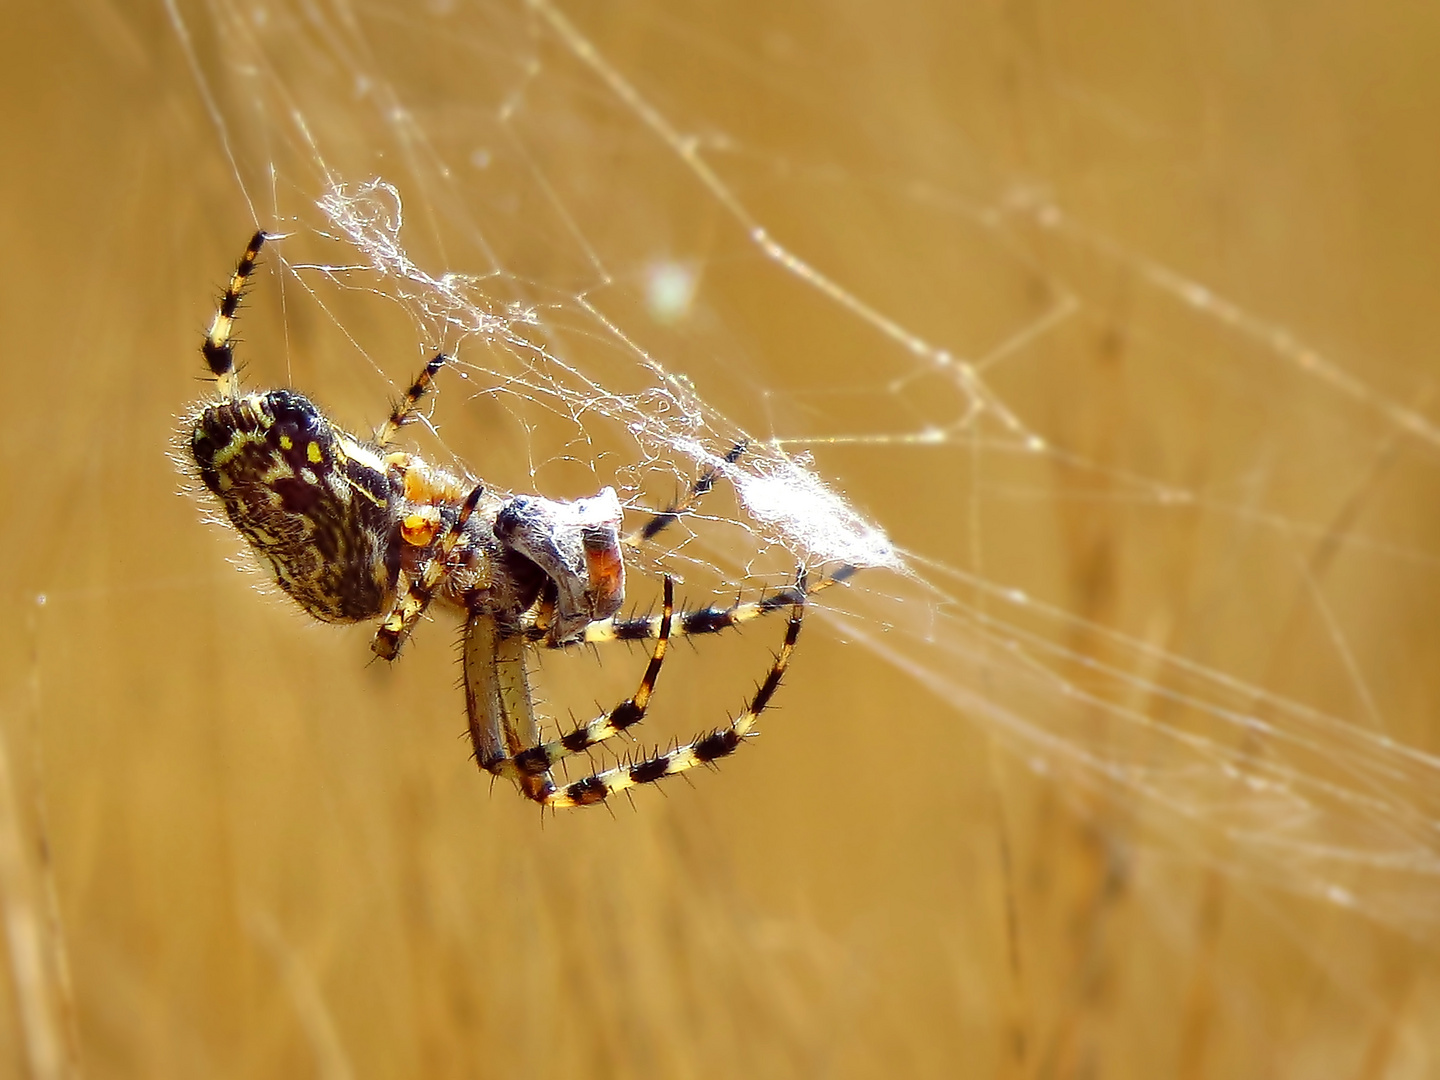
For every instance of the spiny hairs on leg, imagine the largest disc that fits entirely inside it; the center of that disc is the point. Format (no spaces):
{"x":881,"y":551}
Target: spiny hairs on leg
{"x":217,"y":349}
{"x":707,"y":620}
{"x":671,"y":514}
{"x":704,"y":750}
{"x":401,"y":414}
{"x":539,"y":760}
{"x":411,"y":602}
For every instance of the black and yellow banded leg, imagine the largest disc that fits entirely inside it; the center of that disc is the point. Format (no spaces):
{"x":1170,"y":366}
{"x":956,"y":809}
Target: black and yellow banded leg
{"x":703,"y":750}
{"x":402,"y":412}
{"x":414,"y":597}
{"x":218,"y":351}
{"x":658,"y":523}
{"x":537,"y":761}
{"x":708,"y":620}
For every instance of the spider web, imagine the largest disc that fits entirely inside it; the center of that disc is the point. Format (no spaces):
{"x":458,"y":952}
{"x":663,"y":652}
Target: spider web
{"x":490,"y":180}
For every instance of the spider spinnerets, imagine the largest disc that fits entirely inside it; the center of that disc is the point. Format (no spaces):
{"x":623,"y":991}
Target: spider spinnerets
{"x":353,"y":530}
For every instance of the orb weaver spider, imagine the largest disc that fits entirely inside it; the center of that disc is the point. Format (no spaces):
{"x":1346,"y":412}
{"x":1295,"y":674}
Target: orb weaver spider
{"x":353,"y":529}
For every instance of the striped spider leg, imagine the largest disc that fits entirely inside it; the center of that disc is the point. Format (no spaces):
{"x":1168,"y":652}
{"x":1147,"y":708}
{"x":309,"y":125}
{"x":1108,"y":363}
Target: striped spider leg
{"x":503,"y":728}
{"x":705,"y":749}
{"x":658,"y":523}
{"x":698,"y":621}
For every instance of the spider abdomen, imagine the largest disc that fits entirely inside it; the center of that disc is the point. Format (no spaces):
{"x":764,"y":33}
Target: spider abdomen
{"x":316,"y":505}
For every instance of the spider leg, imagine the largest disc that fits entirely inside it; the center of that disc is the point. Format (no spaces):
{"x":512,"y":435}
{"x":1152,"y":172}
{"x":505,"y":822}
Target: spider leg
{"x":402,"y":412}
{"x":707,"y":620}
{"x":218,"y":351}
{"x":498,"y":704}
{"x":658,"y":523}
{"x":703,"y":750}
{"x":414,"y":597}
{"x":538,"y":760}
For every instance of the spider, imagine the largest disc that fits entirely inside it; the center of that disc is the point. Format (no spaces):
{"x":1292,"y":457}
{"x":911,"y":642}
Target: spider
{"x":354,"y":530}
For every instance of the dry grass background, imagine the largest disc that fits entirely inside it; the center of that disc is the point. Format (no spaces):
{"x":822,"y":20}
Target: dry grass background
{"x":230,"y":847}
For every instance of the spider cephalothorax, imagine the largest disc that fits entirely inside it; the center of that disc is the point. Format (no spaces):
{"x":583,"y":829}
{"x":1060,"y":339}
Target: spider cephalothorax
{"x":354,"y":530}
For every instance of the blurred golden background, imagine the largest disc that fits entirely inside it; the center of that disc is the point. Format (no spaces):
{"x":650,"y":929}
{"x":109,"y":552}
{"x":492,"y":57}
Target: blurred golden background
{"x":1118,"y":318}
